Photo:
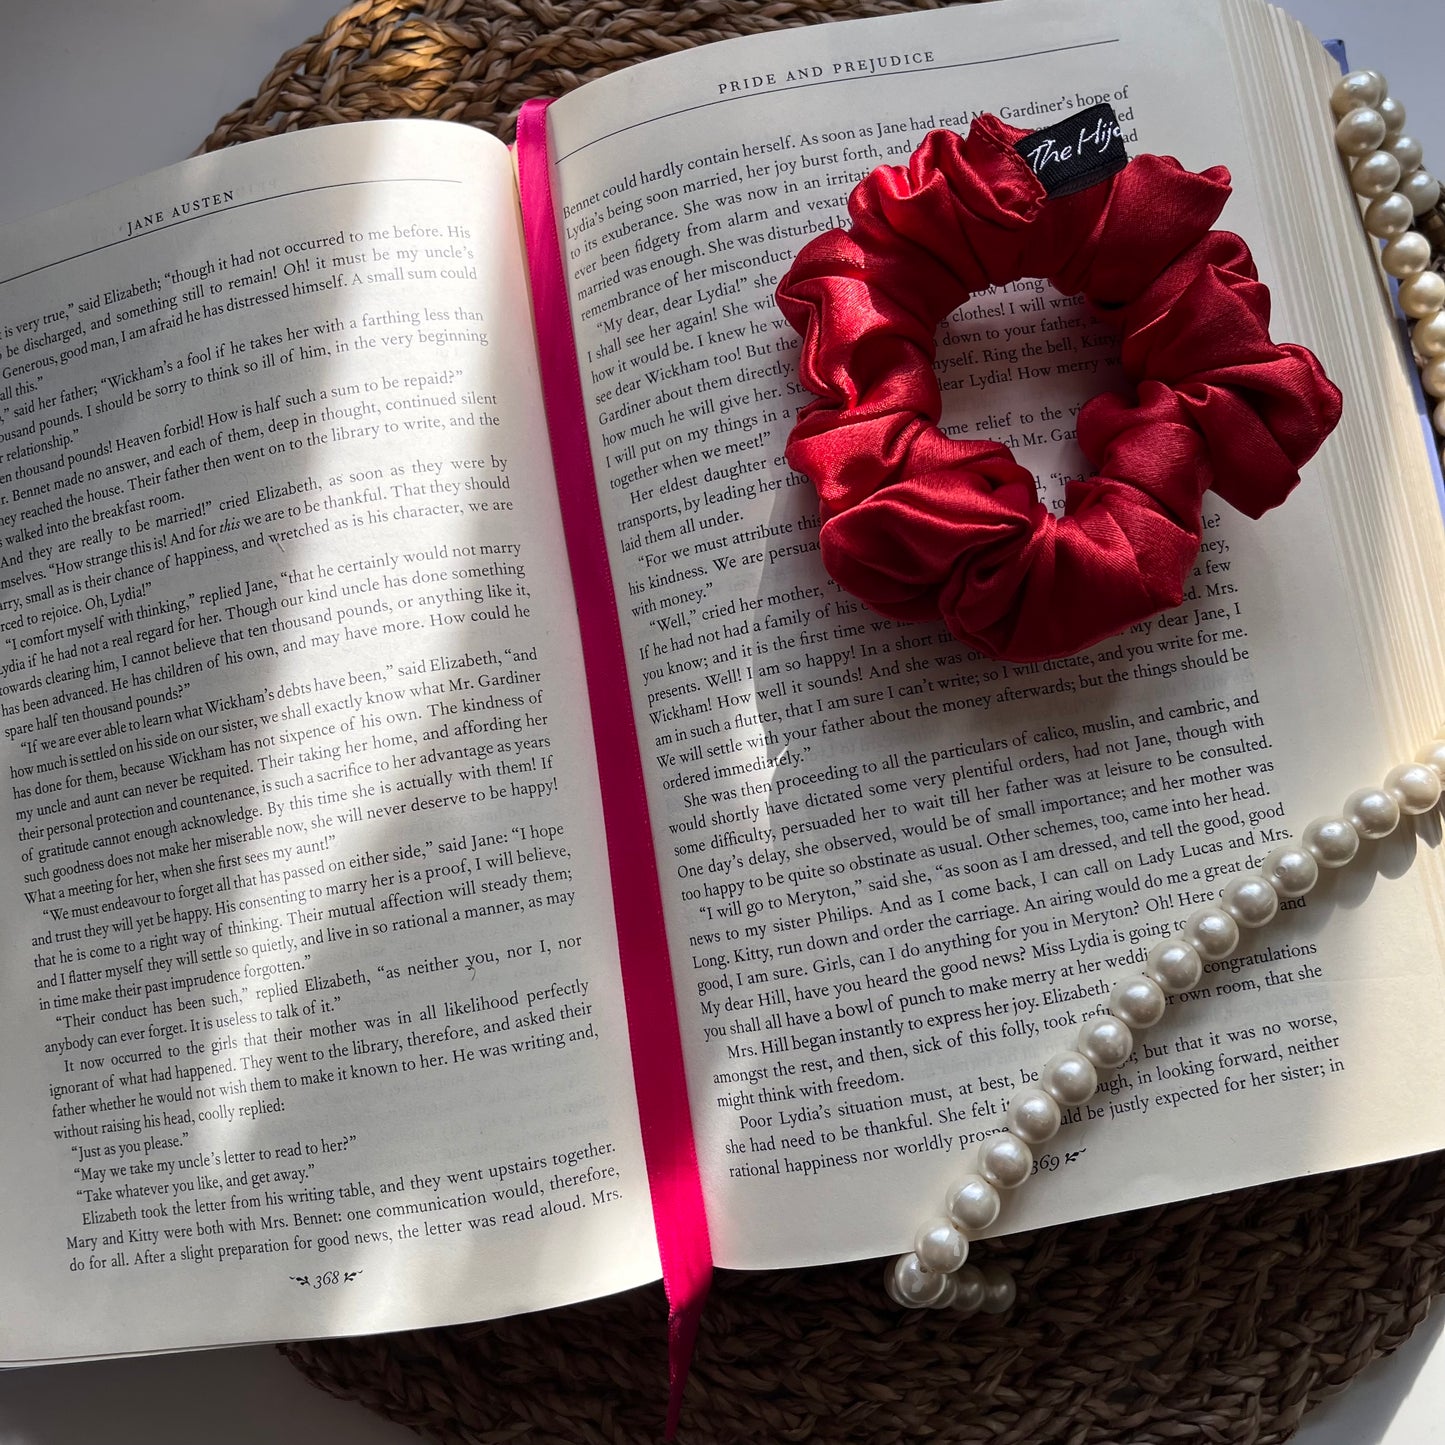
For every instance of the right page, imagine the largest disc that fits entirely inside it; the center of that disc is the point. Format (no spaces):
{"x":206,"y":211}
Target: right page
{"x":899,"y":874}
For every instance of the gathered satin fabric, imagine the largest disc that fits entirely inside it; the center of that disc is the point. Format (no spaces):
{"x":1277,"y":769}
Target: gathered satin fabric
{"x":922,"y":526}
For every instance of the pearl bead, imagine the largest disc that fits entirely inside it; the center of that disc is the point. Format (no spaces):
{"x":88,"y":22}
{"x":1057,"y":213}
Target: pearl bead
{"x":890,"y":1285}
{"x":1174,"y":966}
{"x":1392,"y":112}
{"x":1069,"y":1077}
{"x":1373,"y":812}
{"x":1432,"y":377}
{"x":1250,"y":901}
{"x":1407,"y":150}
{"x":1291,"y":871}
{"x":1033,"y":1115}
{"x":1105,"y":1041}
{"x":972,"y":1204}
{"x":1359,"y":87}
{"x":1332,"y":842}
{"x":1375,"y":174}
{"x":911,"y":1285}
{"x":1388,"y":216}
{"x":969,"y":1289}
{"x":947,"y":1296}
{"x":940,"y":1247}
{"x":1421,"y":189}
{"x":1437,"y":417}
{"x":1427,"y":336}
{"x":1139,"y":1001}
{"x":1406,"y":254}
{"x":999,"y":1290}
{"x":1212,"y":933}
{"x":1414,"y":787}
{"x":1005,"y":1160}
{"x":1360,"y":132}
{"x":1433,"y":756}
{"x":1422,"y":294}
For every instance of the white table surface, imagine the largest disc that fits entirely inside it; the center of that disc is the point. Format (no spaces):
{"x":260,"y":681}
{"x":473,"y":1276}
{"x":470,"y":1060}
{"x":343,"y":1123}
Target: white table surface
{"x":93,"y":92}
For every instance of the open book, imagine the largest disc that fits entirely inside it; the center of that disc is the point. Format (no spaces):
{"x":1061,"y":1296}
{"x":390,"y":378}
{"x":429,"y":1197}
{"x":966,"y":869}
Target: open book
{"x":311,"y":998}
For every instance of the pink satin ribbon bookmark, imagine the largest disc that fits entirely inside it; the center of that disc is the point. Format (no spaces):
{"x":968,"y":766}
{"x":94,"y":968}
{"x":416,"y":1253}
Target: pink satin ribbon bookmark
{"x":667,"y":1139}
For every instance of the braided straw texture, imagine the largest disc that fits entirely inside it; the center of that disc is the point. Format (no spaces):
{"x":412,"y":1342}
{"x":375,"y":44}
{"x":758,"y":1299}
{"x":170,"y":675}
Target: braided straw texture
{"x":1219,"y":1320}
{"x":478,"y":60}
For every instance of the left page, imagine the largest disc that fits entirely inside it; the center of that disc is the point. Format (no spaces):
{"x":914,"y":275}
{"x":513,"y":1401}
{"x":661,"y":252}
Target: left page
{"x":310,"y":998}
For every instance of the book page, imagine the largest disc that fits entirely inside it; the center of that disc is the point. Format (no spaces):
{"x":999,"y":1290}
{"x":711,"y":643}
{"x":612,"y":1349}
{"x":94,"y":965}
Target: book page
{"x":901,"y":874}
{"x":310,"y":992}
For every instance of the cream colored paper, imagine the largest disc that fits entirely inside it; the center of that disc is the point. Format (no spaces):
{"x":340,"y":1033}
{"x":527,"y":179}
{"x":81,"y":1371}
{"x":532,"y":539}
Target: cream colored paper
{"x":838,"y":1084}
{"x":311,"y":1001}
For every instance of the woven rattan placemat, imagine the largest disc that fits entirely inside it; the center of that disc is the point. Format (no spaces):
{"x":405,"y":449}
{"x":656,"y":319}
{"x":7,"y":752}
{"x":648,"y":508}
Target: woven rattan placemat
{"x":1219,"y":1320}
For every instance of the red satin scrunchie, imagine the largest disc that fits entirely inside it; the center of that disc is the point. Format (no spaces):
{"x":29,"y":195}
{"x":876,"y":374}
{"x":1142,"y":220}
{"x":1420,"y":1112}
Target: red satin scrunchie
{"x":920,"y":526}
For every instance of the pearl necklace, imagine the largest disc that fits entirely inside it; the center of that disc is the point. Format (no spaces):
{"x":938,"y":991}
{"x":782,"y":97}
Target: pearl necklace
{"x":935,"y":1275}
{"x":1387,"y":174}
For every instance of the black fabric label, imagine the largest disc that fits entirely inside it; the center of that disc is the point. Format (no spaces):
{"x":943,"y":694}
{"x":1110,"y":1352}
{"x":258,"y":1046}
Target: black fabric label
{"x":1076,"y":153}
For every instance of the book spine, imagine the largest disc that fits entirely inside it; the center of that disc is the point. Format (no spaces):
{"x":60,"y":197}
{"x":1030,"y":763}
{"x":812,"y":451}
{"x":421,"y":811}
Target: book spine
{"x":679,"y":1216}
